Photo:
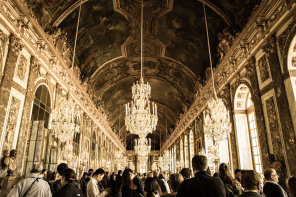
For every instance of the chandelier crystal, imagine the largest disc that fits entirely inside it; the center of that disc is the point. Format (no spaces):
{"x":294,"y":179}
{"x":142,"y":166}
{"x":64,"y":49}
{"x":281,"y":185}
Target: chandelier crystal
{"x":217,"y":123}
{"x":139,"y":118}
{"x":164,"y":161}
{"x":63,"y":125}
{"x":142,"y":146}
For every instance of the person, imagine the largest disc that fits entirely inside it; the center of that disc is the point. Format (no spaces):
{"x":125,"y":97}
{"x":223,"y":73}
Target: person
{"x":115,"y":186}
{"x":175,"y":181}
{"x":238,"y":175}
{"x":150,"y":174}
{"x":53,"y":178}
{"x":160,"y":182}
{"x":292,"y":186}
{"x":271,"y":187}
{"x":33,"y":186}
{"x":44,"y":173}
{"x":83,"y":183}
{"x":202,"y":184}
{"x":92,"y":186}
{"x":161,"y":177}
{"x":251,"y":181}
{"x":131,"y":185}
{"x":57,"y":185}
{"x":69,"y":188}
{"x":232,"y":186}
{"x":186,"y":173}
{"x":152,"y":188}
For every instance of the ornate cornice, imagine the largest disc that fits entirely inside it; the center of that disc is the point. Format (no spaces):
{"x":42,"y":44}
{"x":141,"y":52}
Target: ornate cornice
{"x":36,"y":41}
{"x":262,"y":24}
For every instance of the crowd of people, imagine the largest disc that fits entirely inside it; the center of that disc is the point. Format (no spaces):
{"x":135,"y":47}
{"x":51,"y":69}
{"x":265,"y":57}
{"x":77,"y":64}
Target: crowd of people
{"x":196,"y":182}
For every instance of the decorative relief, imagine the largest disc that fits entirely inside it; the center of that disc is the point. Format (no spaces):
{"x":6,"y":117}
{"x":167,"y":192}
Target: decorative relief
{"x":274,"y":129}
{"x":22,"y":69}
{"x":11,"y":123}
{"x":3,"y":49}
{"x":263,"y":68}
{"x":15,"y":44}
{"x":294,"y":61}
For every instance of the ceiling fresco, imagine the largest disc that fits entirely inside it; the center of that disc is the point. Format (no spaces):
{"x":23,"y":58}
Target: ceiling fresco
{"x":175,"y":50}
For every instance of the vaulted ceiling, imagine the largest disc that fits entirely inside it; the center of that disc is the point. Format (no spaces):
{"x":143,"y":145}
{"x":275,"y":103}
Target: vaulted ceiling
{"x":175,"y":49}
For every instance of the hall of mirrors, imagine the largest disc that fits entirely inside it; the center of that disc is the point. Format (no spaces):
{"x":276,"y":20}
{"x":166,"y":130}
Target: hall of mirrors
{"x":54,"y":110}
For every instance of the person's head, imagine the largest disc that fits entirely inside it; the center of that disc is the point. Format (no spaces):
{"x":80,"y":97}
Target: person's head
{"x":152,"y":187}
{"x":127,"y":177}
{"x":36,"y":169}
{"x":186,"y":173}
{"x":119,"y":172}
{"x":175,"y":181}
{"x":292,"y":186}
{"x":251,"y":180}
{"x":199,"y":163}
{"x":271,"y":175}
{"x":155,"y":173}
{"x":44,"y":171}
{"x":90,"y":172}
{"x":161,"y":176}
{"x":225,"y":174}
{"x":238,"y":174}
{"x":68,"y":176}
{"x":149,"y":175}
{"x":216,"y":174}
{"x":98,"y":174}
{"x":61,"y":167}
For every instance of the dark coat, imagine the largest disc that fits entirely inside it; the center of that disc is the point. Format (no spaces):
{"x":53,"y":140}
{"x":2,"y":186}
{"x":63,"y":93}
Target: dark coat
{"x":202,"y":185}
{"x":69,"y":190}
{"x":161,"y":184}
{"x":272,"y":189}
{"x":250,"y":194}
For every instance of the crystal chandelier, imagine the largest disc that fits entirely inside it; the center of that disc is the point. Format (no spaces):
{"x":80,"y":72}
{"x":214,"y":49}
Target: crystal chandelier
{"x":142,"y":146}
{"x":217,"y":123}
{"x":67,"y":151}
{"x":63,"y":125}
{"x":139,"y":119}
{"x":118,"y":159}
{"x":164,"y":161}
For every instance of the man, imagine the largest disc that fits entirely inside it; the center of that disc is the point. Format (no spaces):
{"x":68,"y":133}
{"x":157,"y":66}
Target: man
{"x":92,"y":186}
{"x":271,"y":187}
{"x":251,"y":182}
{"x":33,"y":186}
{"x":238,"y":175}
{"x":159,"y":181}
{"x":202,"y":184}
{"x":57,"y":185}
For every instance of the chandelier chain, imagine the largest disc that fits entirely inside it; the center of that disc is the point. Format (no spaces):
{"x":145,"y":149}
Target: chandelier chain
{"x":77,"y":27}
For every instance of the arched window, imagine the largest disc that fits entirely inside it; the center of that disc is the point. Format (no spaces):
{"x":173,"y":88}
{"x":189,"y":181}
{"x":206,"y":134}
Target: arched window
{"x":191,"y":146}
{"x":41,"y":106}
{"x":246,"y":129}
{"x":181,"y":154}
{"x":186,"y":151}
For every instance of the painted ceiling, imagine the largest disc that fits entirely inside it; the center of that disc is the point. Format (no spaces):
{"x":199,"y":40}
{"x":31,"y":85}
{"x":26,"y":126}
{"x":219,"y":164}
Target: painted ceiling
{"x":175,"y":49}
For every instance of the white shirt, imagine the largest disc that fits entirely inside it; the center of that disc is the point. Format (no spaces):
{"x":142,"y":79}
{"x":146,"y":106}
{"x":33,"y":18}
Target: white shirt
{"x":39,"y":189}
{"x":92,"y":189}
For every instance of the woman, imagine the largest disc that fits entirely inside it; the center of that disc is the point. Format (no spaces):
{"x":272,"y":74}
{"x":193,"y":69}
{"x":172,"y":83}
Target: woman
{"x":175,"y":181}
{"x":69,"y":188}
{"x":161,"y":177}
{"x":131,"y":185}
{"x":152,"y":188}
{"x":232,"y":187}
{"x":292,"y":186}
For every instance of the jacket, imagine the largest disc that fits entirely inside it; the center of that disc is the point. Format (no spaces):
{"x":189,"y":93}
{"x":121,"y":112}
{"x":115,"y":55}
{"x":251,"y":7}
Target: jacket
{"x":92,"y":189}
{"x":40,"y":188}
{"x":202,"y":185}
{"x":272,"y":189}
{"x":69,"y":190}
{"x":250,"y":194}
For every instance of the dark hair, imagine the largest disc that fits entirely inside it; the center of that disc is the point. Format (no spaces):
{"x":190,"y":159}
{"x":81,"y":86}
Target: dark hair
{"x":268,"y":173}
{"x":216,"y":174}
{"x":91,"y":170}
{"x":69,"y":175}
{"x":237,"y":170}
{"x":160,"y":176}
{"x":292,"y":186}
{"x":119,"y":172}
{"x":225,"y":175}
{"x":186,"y":173}
{"x":250,"y":179}
{"x":175,"y":181}
{"x":99,"y":171}
{"x":155,"y":173}
{"x":200,"y":163}
{"x":61,"y":167}
{"x":44,"y":170}
{"x":126,"y":177}
{"x":152,"y":186}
